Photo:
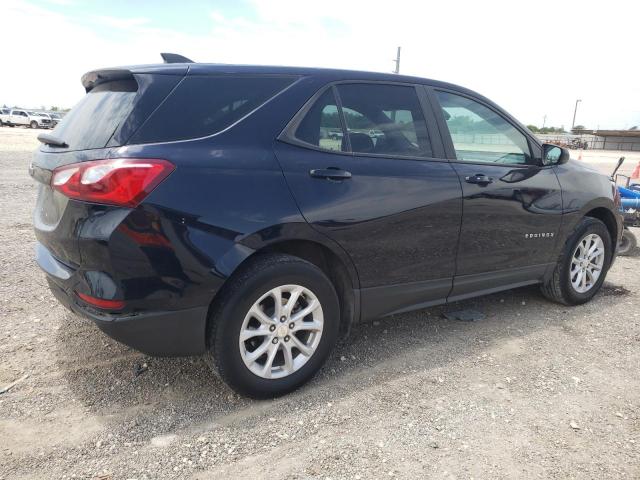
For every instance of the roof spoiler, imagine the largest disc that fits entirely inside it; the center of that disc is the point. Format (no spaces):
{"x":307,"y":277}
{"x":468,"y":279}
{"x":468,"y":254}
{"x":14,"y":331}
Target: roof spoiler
{"x":91,"y":80}
{"x":175,"y":58}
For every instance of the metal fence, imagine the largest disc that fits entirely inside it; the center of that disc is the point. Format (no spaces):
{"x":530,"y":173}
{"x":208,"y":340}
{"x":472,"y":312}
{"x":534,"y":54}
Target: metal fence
{"x":595,"y":142}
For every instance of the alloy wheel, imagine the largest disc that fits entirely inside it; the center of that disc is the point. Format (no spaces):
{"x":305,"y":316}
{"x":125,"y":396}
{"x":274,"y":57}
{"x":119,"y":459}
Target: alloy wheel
{"x":587,"y":263}
{"x":281,"y":331}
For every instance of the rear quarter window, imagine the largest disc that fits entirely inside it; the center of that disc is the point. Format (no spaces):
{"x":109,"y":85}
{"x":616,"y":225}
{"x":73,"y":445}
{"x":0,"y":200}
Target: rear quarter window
{"x":204,"y":105}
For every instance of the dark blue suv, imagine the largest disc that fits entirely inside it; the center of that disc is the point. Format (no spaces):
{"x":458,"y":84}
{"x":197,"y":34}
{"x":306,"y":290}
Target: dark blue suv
{"x":255,"y":213}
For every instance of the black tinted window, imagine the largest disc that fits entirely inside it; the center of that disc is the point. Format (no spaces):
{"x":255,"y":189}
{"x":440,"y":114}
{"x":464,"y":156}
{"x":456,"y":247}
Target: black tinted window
{"x":384,"y":120}
{"x":321,"y":124}
{"x":93,"y":120}
{"x":204,"y":105}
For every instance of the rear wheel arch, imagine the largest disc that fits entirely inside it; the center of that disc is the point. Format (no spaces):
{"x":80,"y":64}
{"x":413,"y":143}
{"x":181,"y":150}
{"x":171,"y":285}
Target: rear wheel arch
{"x":332,"y":266}
{"x":317,"y":254}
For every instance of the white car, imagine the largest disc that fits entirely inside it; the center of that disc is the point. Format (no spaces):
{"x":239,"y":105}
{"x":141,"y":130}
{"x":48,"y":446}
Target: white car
{"x":27,"y":119}
{"x":4,"y":116}
{"x":55,"y":118}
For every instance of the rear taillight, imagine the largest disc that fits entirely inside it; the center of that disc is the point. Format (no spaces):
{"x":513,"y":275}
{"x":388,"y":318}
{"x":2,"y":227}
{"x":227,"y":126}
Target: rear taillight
{"x":123,"y":182}
{"x":101,"y":302}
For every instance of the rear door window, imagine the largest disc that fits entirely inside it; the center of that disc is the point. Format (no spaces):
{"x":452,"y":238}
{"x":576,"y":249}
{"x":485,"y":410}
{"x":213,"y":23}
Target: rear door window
{"x":204,"y":105}
{"x":384,"y":119}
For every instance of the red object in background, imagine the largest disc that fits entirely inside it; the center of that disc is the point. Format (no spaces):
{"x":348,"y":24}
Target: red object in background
{"x":636,"y":171}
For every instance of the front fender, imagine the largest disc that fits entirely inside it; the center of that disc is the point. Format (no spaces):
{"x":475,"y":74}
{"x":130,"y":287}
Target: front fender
{"x":583,"y":191}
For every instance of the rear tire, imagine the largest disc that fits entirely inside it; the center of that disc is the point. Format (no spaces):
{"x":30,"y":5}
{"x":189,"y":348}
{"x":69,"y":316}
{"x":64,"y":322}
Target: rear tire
{"x":628,"y":243}
{"x":561,"y":287}
{"x":282,"y":367}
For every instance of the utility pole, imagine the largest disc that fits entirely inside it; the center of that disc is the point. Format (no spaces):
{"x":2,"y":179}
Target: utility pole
{"x":397,"y":62}
{"x":544,"y":121}
{"x":573,"y":124}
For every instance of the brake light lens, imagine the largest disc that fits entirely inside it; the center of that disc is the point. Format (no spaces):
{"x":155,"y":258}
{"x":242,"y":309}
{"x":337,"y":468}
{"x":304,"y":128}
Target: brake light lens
{"x":101,"y":302}
{"x":123,"y":182}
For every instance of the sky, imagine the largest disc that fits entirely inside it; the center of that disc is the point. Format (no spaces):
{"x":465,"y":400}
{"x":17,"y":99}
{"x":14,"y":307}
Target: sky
{"x":535,"y":59}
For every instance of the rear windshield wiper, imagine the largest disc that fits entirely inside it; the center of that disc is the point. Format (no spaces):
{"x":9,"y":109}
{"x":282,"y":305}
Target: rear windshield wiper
{"x":48,"y":139}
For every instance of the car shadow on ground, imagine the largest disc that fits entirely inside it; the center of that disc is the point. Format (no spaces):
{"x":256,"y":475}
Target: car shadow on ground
{"x":159,"y":395}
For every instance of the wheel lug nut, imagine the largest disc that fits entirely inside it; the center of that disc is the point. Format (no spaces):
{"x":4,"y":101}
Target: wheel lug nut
{"x":275,"y":340}
{"x":291,"y":325}
{"x":283,"y":319}
{"x":272,"y":328}
{"x":286,"y":338}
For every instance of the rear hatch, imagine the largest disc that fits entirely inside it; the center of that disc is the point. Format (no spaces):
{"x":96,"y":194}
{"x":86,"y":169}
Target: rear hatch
{"x":117,"y":103}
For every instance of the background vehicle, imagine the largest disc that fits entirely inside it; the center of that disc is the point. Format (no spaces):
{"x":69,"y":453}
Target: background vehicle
{"x":46,"y":116}
{"x":4,"y":116}
{"x":55,"y":118}
{"x":28,"y":119}
{"x":578,"y":144}
{"x":244,"y":232}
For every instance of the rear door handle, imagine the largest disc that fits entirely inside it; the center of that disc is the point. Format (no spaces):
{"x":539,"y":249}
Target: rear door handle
{"x":332,"y":173}
{"x":479,"y":179}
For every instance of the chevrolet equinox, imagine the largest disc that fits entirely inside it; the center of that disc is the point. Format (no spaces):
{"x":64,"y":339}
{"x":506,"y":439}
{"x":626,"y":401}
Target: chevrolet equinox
{"x":255,"y":213}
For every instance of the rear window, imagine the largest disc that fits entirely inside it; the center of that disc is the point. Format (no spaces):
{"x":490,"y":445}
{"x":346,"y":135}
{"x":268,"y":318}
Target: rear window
{"x":204,"y":105}
{"x":91,"y":123}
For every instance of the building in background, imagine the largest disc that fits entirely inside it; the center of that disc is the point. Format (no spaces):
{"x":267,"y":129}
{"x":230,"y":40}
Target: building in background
{"x":628,"y":140}
{"x":616,"y":140}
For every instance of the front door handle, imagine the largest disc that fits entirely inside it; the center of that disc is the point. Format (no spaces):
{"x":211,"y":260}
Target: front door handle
{"x":479,"y":179}
{"x":332,"y":173}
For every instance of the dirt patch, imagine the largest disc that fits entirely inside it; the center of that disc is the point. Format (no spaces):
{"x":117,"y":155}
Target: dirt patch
{"x":609,"y":290}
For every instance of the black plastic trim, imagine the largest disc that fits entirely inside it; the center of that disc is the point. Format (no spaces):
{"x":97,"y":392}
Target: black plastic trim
{"x":161,"y":334}
{"x":467,"y":286}
{"x":390,"y":299}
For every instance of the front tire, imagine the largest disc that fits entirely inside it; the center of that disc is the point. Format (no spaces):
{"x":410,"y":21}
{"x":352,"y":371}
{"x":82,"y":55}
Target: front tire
{"x":582,"y":266}
{"x":34,"y":124}
{"x":273,"y":326}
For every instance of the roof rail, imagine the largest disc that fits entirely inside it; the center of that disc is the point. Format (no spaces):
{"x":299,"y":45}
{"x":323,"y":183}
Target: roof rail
{"x":175,"y":58}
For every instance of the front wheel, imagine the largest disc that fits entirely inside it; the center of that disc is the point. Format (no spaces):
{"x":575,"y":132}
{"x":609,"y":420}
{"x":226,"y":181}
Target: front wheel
{"x":583,"y":265}
{"x":34,"y":124}
{"x":273,"y":326}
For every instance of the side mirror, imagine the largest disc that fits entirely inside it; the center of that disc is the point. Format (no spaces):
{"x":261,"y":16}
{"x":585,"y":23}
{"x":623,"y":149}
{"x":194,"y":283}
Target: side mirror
{"x":554,"y":155}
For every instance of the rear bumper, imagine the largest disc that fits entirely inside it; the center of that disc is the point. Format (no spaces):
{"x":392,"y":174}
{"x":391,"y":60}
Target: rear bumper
{"x":158,"y":333}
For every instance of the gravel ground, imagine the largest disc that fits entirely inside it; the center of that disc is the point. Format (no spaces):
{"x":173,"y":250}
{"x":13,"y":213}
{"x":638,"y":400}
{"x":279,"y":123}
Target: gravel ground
{"x":533,"y":390}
